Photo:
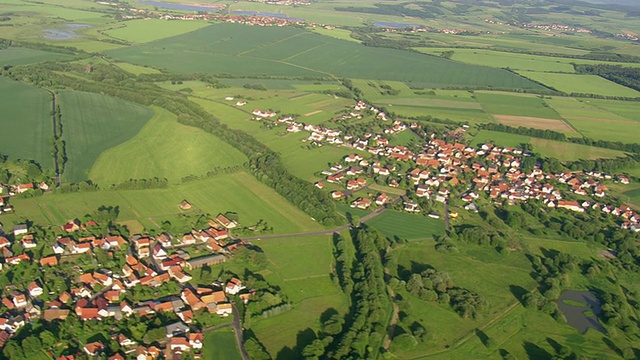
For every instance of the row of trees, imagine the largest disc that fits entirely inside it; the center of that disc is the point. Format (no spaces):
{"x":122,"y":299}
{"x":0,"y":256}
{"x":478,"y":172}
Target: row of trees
{"x":625,"y":76}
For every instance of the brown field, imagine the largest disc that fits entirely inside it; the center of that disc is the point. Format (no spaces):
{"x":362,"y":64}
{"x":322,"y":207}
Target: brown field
{"x":313,"y":113}
{"x":536,"y":123}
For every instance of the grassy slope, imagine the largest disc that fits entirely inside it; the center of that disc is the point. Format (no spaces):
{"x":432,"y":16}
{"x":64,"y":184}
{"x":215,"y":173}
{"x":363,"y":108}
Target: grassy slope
{"x":238,"y":192}
{"x":93,"y":123}
{"x":289,"y":51}
{"x":26,"y":130}
{"x":306,"y":283}
{"x":164,"y":149}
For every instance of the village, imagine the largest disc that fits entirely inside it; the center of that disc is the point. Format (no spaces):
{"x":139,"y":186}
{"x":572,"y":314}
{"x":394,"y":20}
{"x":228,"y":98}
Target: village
{"x":441,"y":165}
{"x":100,"y":294}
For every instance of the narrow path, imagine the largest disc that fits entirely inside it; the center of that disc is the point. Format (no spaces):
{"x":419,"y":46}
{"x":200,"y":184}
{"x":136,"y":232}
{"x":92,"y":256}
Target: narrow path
{"x":56,"y":136}
{"x":237,"y":328}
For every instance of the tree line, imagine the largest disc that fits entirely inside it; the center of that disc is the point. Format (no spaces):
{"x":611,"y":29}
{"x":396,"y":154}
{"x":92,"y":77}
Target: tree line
{"x":625,"y":76}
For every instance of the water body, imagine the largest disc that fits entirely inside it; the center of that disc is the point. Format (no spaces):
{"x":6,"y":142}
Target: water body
{"x":265,"y":14}
{"x":576,"y":315}
{"x":395,"y":25}
{"x":64,"y":34}
{"x":184,"y":7}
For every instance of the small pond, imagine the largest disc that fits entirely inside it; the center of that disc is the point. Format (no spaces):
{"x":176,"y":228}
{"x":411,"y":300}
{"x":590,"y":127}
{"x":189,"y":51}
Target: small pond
{"x":581,"y":309}
{"x":64,"y":34}
{"x":185,"y":7}
{"x":394,"y":25}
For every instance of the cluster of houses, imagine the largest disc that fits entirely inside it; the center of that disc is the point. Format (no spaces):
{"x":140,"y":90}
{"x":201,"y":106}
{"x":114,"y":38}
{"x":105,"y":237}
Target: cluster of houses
{"x":13,"y":190}
{"x":101,"y":294}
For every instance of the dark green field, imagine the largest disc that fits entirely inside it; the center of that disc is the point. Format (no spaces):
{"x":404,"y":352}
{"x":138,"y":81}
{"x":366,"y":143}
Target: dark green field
{"x":93,"y":123}
{"x":26,"y":123}
{"x":248,"y":50}
{"x":21,"y":56}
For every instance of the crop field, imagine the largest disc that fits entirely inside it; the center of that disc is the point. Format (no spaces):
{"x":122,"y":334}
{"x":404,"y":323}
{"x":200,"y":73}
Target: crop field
{"x":142,"y":31}
{"x":516,"y":105}
{"x":167,"y":149}
{"x":407,"y":226}
{"x":26,"y":130}
{"x":537,"y":123}
{"x":136,"y":69}
{"x":629,"y":109}
{"x":238,"y":192}
{"x":586,"y":84}
{"x":93,"y":123}
{"x":221,"y":345}
{"x":294,"y":52}
{"x":306,"y":283}
{"x":516,"y":61}
{"x":612,"y":130}
{"x":22,"y":56}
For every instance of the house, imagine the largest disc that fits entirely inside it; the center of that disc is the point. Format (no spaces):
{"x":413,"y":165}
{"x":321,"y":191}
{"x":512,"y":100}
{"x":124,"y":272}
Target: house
{"x":94,"y":348}
{"x":234,"y":286}
{"x":176,"y":329}
{"x":4,"y":242}
{"x":382,"y":199}
{"x":226,"y":222}
{"x":23,"y":188}
{"x":361,"y":203}
{"x":35,"y":290}
{"x":20,"y":229}
{"x":185,"y":205}
{"x":570,"y":205}
{"x":19,"y":300}
{"x":71,"y":226}
{"x":224,"y":309}
{"x":179,"y":344}
{"x":195,"y":340}
{"x":411,"y":206}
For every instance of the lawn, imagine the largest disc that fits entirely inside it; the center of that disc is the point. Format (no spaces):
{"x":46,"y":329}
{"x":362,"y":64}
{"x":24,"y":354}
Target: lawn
{"x":287,"y":51}
{"x":221,"y":345}
{"x":406,"y":226}
{"x":301,"y":267}
{"x":142,"y":31}
{"x":239,"y":192}
{"x":167,"y":149}
{"x":26,"y":130}
{"x":93,"y":123}
{"x":582,"y":84}
{"x":22,"y":56}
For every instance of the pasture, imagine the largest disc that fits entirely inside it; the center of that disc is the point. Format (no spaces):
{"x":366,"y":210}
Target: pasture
{"x":26,"y":130}
{"x":248,"y":50}
{"x":307,"y":284}
{"x":164,"y":148}
{"x":136,"y":69}
{"x":22,"y":56}
{"x":581,"y":84}
{"x":93,"y":123}
{"x":239,"y":192}
{"x":220,"y":345}
{"x":406,"y":226}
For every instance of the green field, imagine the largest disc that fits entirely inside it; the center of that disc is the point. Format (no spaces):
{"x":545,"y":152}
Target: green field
{"x":406,"y":226}
{"x":21,"y":56}
{"x":516,"y":105}
{"x":582,"y":84}
{"x":306,"y":283}
{"x":93,"y":123}
{"x":563,"y":151}
{"x":167,"y":149}
{"x":221,"y":345}
{"x":288,"y":51}
{"x":238,"y":192}
{"x":141,"y":31}
{"x":26,"y":130}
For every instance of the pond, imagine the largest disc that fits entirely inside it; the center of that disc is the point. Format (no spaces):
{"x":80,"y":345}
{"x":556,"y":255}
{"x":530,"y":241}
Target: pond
{"x":394,"y":25}
{"x":185,"y":7}
{"x":64,"y":34}
{"x":581,"y":309}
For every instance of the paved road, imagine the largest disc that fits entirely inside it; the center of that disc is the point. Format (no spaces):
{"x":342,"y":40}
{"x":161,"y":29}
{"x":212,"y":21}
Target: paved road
{"x":237,"y":328}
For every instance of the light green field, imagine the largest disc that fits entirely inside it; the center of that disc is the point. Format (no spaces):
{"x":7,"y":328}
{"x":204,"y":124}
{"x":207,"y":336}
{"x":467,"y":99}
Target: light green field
{"x":142,"y":31}
{"x":288,"y":51}
{"x":516,"y":61}
{"x":26,"y":130}
{"x":93,"y":123}
{"x":407,"y":226}
{"x":167,"y":149}
{"x":221,"y":345}
{"x":629,"y":109}
{"x":306,"y":283}
{"x":22,"y":56}
{"x":135,"y":69}
{"x":582,"y":84}
{"x":341,"y":34}
{"x":239,"y":192}
{"x":516,"y":105}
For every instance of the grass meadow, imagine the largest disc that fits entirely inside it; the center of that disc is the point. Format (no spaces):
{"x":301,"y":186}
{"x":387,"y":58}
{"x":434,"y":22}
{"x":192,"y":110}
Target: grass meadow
{"x":221,"y":345}
{"x":406,"y":226}
{"x":584,"y":84}
{"x":93,"y":123}
{"x":307,"y":284}
{"x":239,"y":192}
{"x":142,"y":31}
{"x":293,"y":52}
{"x":516,"y":105}
{"x":22,"y":56}
{"x":164,"y":148}
{"x":26,"y":130}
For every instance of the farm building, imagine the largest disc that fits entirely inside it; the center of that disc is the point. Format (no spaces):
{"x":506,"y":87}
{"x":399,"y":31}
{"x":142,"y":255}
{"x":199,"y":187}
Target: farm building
{"x":205,"y":260}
